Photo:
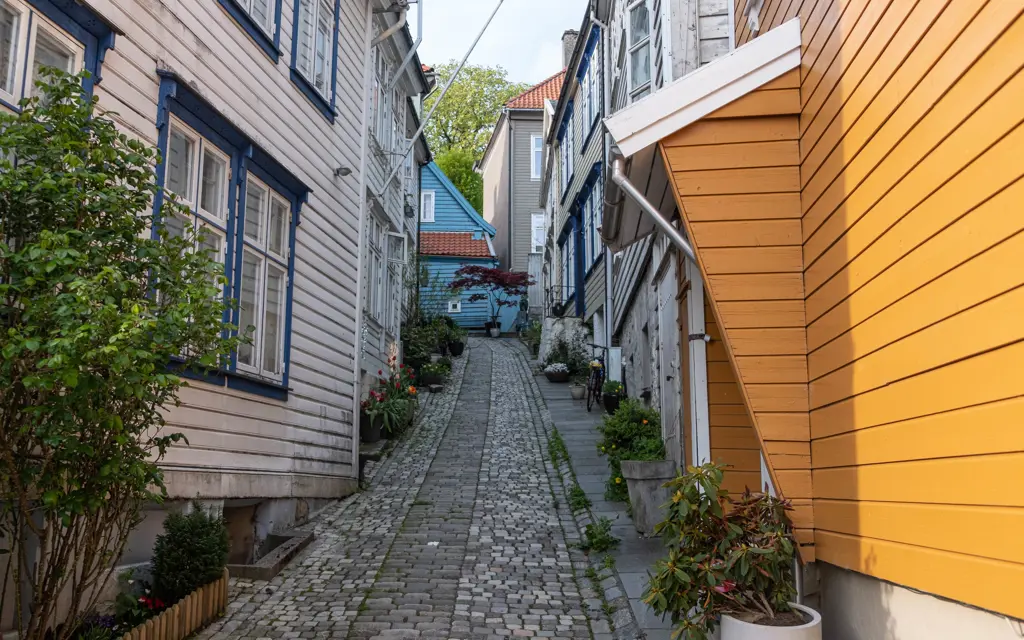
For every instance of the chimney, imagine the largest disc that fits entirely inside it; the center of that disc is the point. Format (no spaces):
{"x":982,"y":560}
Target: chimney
{"x":568,"y":45}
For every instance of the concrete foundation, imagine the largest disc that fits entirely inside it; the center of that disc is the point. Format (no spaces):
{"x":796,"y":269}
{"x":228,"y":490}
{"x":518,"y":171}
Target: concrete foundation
{"x":859,"y":607}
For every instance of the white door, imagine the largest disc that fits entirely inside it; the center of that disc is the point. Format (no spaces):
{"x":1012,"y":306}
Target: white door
{"x":668,"y":350}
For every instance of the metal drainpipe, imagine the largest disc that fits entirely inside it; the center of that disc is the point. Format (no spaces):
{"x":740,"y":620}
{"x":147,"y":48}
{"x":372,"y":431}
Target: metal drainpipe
{"x":412,"y":52}
{"x":620,"y":179}
{"x":511,"y":188}
{"x":609,"y":277}
{"x":393,"y":29}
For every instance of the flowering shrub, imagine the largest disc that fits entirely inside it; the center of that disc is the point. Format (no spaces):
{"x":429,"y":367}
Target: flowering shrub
{"x":633,"y":432}
{"x":724,"y":556}
{"x":499,"y":287}
{"x":556,"y":367}
{"x":612,"y":388}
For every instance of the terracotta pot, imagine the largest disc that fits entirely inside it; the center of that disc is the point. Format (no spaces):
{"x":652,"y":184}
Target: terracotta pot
{"x":733,"y":629}
{"x":557,"y":376}
{"x":611,"y":402}
{"x":578,"y":391}
{"x":456,"y":347}
{"x":370,"y":428}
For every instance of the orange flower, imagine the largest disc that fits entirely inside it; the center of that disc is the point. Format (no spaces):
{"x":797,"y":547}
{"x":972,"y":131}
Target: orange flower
{"x":645,"y":422}
{"x":412,"y":390}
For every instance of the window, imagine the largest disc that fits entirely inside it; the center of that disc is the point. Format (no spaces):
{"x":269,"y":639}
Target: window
{"x":30,"y":40}
{"x":568,"y":255}
{"x":247,"y":207}
{"x":381,"y":78}
{"x":396,"y":273}
{"x":567,"y":148}
{"x":537,"y":232}
{"x":427,"y":206}
{"x":639,"y":43}
{"x":261,"y":20}
{"x":536,"y":157}
{"x":384,"y":273}
{"x":314,"y":52}
{"x":455,"y":306}
{"x":592,"y":214}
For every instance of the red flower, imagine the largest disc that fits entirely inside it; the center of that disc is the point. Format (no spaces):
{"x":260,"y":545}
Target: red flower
{"x":380,"y":372}
{"x":726,"y":587}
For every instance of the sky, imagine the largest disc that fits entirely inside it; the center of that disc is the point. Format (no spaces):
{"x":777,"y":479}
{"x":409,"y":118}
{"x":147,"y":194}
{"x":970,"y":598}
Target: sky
{"x":525,"y":37}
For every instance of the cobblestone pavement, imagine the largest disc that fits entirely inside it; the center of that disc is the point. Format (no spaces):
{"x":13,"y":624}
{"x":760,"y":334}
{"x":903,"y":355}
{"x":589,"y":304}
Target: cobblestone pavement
{"x":464,"y":532}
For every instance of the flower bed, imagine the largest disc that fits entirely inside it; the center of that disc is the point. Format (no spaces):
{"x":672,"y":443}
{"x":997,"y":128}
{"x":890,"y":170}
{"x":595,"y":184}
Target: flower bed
{"x":192,"y":613}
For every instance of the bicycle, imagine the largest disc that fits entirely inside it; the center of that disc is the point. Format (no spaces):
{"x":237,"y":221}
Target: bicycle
{"x":595,"y":382}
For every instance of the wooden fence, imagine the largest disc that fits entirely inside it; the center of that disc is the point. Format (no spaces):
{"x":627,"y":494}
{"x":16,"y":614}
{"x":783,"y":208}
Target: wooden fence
{"x":189,"y":615}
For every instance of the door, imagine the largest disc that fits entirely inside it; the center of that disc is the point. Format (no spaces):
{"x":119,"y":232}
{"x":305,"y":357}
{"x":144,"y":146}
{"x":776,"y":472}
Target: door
{"x":669,"y":364}
{"x":682,"y":315}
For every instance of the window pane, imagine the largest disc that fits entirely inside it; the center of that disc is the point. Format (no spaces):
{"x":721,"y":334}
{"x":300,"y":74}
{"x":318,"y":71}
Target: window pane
{"x":213,"y":185}
{"x":273,"y":321}
{"x":50,"y":52}
{"x":640,"y":66}
{"x":639,"y":24}
{"x":176,"y":226}
{"x":322,"y":71}
{"x":255,"y":205}
{"x":262,"y":14}
{"x":179,"y":164}
{"x":212,"y":243}
{"x":9,"y":21}
{"x":305,"y":44}
{"x":278,"y":226}
{"x":248,"y":303}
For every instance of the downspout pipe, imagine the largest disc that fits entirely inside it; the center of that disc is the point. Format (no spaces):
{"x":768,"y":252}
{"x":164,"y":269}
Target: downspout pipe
{"x":412,"y":51}
{"x":393,"y":29}
{"x":609,"y":276}
{"x":627,"y":187}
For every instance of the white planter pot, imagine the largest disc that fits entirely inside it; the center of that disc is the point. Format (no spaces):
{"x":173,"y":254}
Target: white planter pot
{"x":494,"y":331}
{"x":733,"y":629}
{"x":578,"y":391}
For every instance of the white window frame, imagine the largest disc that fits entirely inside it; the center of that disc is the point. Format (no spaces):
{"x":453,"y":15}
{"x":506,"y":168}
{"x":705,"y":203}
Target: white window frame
{"x":381,"y":99}
{"x":260,"y":247}
{"x":455,"y":305}
{"x":329,"y":62}
{"x":375,"y":267}
{"x":536,"y":157}
{"x":424,"y":210}
{"x":635,"y":93}
{"x":248,"y":7}
{"x":534,"y":229}
{"x":30,"y":21}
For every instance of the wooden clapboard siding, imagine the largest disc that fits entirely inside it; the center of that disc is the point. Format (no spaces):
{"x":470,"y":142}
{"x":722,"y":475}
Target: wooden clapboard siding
{"x":913,"y":242}
{"x":302,"y":446}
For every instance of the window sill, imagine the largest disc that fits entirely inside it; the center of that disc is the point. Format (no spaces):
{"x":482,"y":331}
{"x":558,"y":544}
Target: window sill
{"x":234,"y":380}
{"x":321,"y":103}
{"x":265,"y":42}
{"x":593,"y":266}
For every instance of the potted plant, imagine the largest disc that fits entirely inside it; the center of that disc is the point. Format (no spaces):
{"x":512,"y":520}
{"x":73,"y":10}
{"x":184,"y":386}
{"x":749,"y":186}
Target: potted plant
{"x":457,"y":341}
{"x":371,"y":420}
{"x":611,"y":395}
{"x":578,"y":388}
{"x":500,"y":288}
{"x":730,"y":563}
{"x":631,"y":440}
{"x":432,"y":373}
{"x":557,"y":372}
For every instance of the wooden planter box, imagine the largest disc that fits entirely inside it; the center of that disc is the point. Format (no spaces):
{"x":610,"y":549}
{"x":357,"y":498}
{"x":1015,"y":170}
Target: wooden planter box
{"x":194,"y":612}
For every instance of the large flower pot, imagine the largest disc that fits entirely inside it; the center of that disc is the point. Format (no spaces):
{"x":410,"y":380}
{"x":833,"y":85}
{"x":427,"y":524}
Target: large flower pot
{"x":646,"y":493}
{"x":494,"y":331}
{"x":578,"y":391}
{"x":733,"y":629}
{"x":557,"y":376}
{"x":456,"y":347}
{"x":611,"y":402}
{"x":370,"y":428}
{"x":428,"y":379}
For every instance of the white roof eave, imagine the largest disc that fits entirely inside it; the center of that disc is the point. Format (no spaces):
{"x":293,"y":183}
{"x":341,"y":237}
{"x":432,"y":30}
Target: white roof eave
{"x":713,"y":86}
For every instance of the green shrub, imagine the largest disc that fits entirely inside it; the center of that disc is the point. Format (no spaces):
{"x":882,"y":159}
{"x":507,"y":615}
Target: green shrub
{"x":573,"y":352}
{"x":578,"y":500}
{"x":190,"y":553}
{"x":598,"y":536}
{"x":613,"y":388}
{"x":632,"y":433}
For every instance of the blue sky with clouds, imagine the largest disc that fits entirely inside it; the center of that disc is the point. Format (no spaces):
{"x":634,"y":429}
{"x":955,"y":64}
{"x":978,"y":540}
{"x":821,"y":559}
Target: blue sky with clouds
{"x":525,"y":36}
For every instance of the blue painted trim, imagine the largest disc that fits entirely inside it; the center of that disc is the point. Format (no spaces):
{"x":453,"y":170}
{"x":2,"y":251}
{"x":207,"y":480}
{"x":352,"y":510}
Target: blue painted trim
{"x":459,"y":198}
{"x":590,"y":270}
{"x":324,"y":106}
{"x":176,"y":98}
{"x":592,"y":41}
{"x":271,"y":45}
{"x":578,"y":259}
{"x":84,"y":25}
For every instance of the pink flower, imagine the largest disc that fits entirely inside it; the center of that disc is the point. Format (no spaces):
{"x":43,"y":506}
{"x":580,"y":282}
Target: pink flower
{"x":726,"y":587}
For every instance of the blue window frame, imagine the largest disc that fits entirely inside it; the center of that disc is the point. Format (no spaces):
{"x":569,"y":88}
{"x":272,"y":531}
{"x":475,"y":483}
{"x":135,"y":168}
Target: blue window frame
{"x":315,"y":52}
{"x":56,"y":33}
{"x":249,"y":206}
{"x":567,"y":148}
{"x":261,"y":19}
{"x":589,"y":78}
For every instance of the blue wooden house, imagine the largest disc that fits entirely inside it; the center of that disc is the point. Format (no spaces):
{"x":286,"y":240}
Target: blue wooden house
{"x":453,"y":235}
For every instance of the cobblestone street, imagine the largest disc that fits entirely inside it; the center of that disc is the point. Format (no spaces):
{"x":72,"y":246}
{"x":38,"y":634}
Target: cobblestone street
{"x":464,"y":531}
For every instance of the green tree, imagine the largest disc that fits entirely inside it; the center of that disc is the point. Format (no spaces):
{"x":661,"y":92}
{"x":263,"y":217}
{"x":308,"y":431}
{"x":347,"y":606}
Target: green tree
{"x":93,"y":310}
{"x":457,"y":164}
{"x":467,"y":115}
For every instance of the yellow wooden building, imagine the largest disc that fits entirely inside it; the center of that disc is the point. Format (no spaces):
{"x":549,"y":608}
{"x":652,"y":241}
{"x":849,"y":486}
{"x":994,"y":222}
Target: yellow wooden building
{"x":849,"y":179}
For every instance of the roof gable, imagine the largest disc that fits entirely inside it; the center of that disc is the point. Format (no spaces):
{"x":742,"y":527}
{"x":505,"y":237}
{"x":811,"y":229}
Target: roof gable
{"x":459,"y":244}
{"x":458,"y":202}
{"x":534,"y":97}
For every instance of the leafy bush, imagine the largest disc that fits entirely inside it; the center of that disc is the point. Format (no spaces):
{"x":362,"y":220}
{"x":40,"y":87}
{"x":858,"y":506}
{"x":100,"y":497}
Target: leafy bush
{"x":633,"y":432}
{"x":724,"y":555}
{"x":578,"y":500}
{"x":571,"y":351}
{"x":612,"y":388}
{"x":434,"y":369}
{"x":597,"y":536}
{"x":190,"y":553}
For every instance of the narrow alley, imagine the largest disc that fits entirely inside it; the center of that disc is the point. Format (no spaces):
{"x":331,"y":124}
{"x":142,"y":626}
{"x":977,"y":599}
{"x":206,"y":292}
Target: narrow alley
{"x":464,"y":531}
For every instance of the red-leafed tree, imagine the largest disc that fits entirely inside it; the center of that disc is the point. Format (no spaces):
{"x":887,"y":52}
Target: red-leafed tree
{"x":500,"y":288}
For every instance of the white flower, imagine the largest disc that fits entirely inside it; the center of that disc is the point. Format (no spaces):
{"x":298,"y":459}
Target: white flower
{"x":556,"y":367}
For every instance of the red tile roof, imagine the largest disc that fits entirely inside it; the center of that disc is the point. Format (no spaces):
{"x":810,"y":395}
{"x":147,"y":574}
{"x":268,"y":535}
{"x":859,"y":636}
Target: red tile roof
{"x":439,"y":243}
{"x":534,"y":97}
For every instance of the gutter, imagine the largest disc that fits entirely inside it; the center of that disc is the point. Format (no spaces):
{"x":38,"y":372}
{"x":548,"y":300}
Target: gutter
{"x":620,"y":179}
{"x":393,"y":29}
{"x":415,"y":45}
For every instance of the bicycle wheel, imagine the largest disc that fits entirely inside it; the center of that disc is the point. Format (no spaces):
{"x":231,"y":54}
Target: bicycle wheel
{"x":591,"y":395}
